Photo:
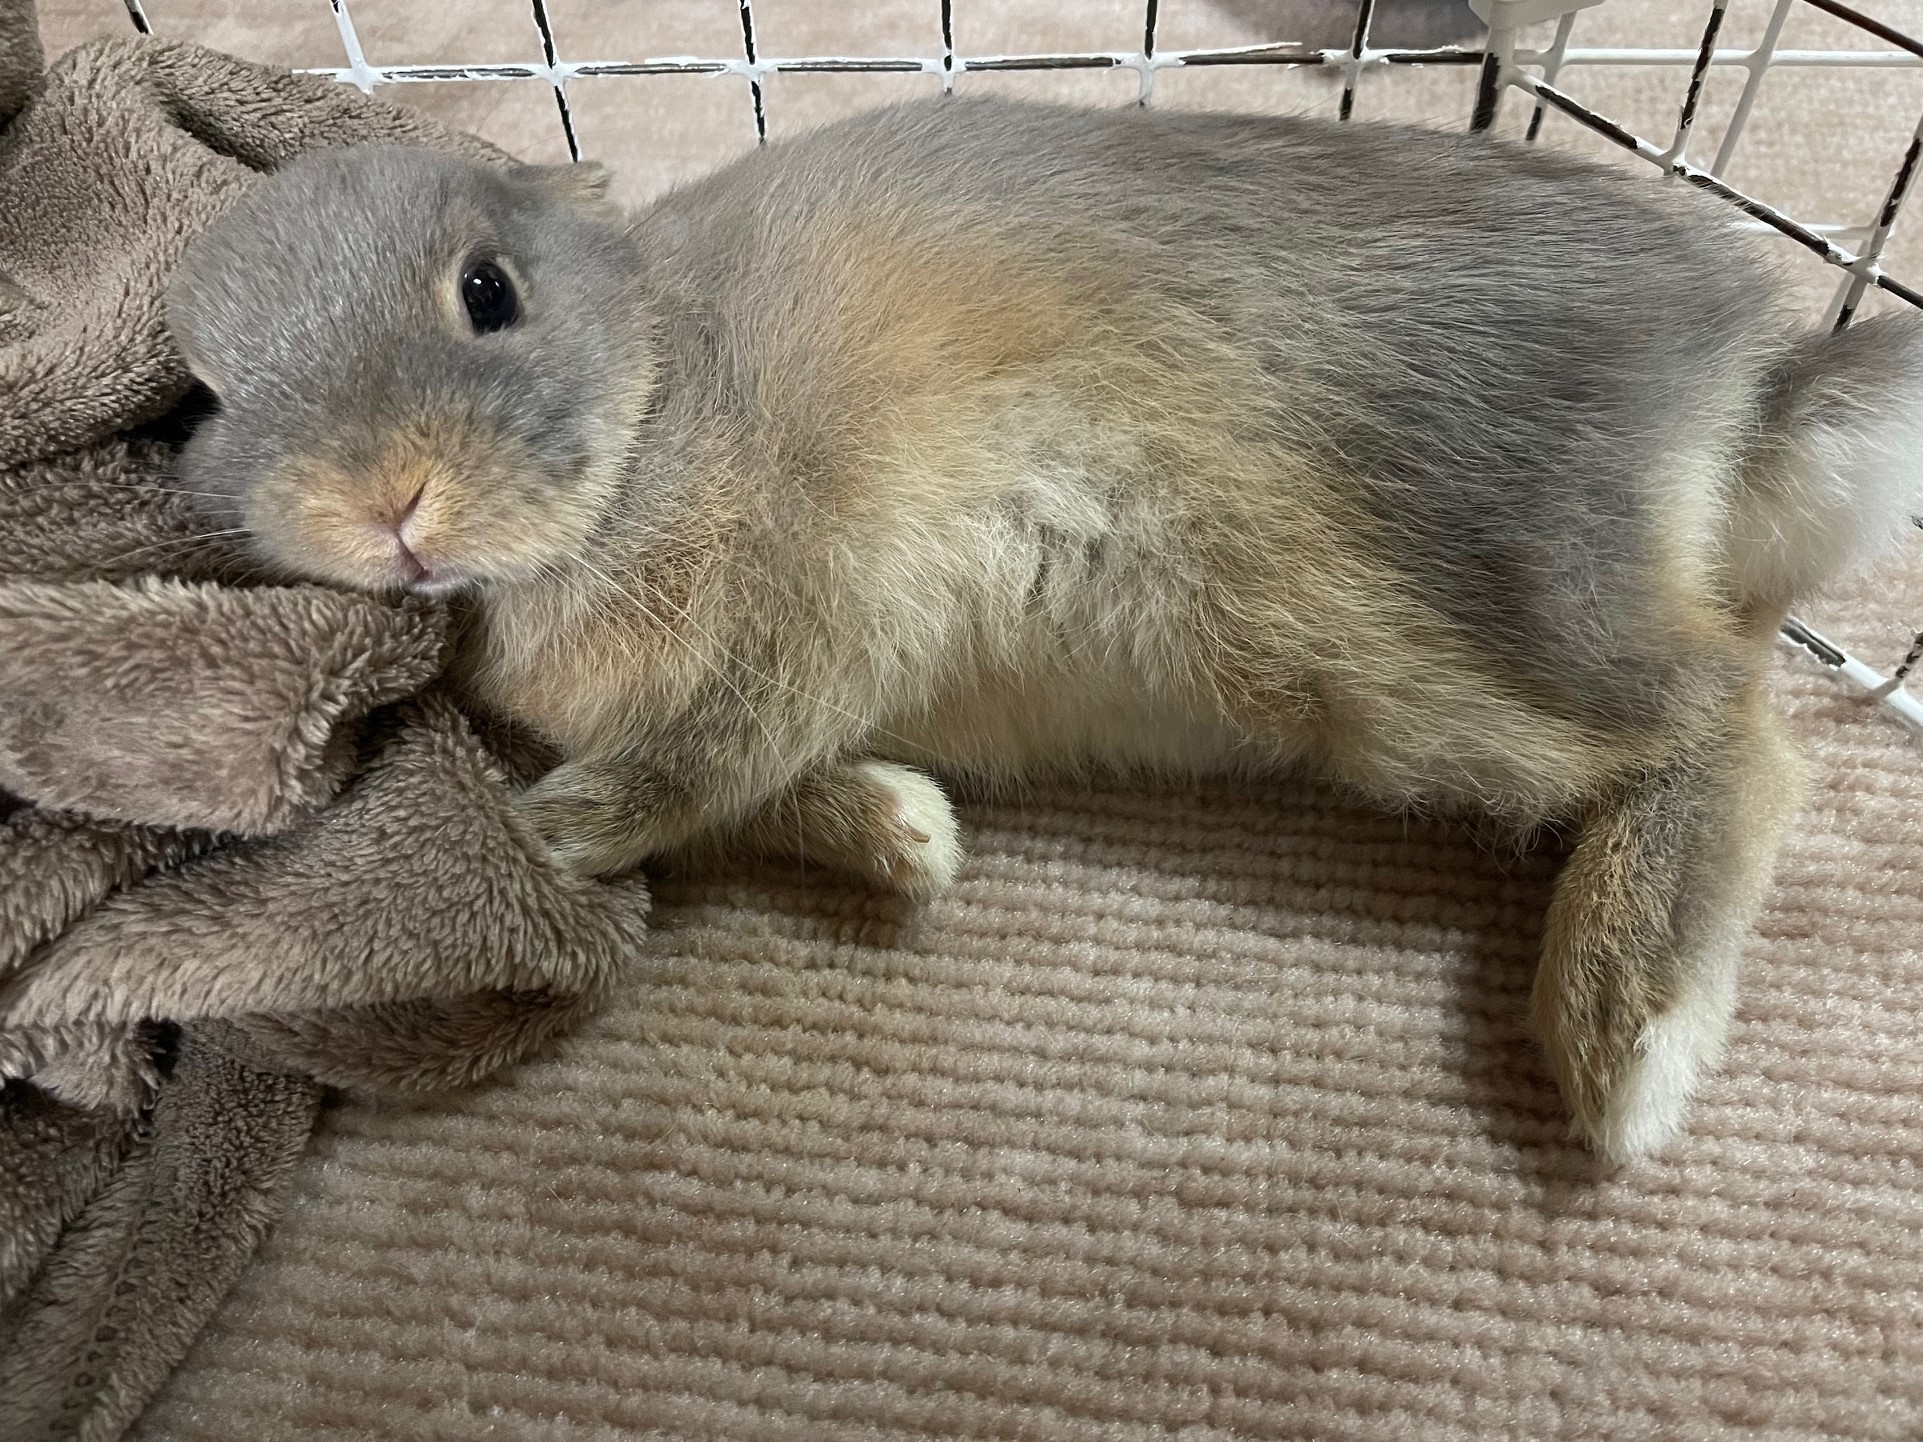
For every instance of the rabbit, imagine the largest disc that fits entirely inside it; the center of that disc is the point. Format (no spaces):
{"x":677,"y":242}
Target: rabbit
{"x":989,"y":441}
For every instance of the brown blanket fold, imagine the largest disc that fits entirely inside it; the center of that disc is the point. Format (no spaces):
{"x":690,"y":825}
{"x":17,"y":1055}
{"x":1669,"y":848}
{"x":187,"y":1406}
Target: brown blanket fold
{"x":247,"y":728}
{"x":246,"y":849}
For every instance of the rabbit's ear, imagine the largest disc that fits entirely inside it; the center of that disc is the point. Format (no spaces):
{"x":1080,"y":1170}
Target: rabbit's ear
{"x":198,"y":366}
{"x":584,"y":183}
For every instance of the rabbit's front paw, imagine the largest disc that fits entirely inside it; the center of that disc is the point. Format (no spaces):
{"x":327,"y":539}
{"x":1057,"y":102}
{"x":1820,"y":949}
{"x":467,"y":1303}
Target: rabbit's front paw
{"x":590,"y":818}
{"x":913,"y":844}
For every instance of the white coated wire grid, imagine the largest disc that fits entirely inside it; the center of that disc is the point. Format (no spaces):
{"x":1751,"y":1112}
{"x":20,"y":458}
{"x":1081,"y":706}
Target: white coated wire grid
{"x":1503,"y":63}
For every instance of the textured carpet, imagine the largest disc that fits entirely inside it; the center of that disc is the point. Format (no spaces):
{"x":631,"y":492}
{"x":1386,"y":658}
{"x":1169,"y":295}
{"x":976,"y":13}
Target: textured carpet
{"x":1197,"y":1114}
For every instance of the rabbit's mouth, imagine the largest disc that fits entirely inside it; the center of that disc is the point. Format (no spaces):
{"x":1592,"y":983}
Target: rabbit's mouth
{"x":423,"y":568}
{"x":425,"y":573}
{"x":443,"y":585}
{"x":426,"y":508}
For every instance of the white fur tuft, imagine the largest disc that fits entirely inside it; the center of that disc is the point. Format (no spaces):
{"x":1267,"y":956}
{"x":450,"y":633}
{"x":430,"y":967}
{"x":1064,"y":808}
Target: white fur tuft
{"x":1838,"y":475}
{"x":1839,"y":496}
{"x":922,"y":868}
{"x":1673,"y":1054}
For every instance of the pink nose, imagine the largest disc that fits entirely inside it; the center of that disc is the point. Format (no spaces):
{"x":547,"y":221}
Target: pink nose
{"x":417,"y":571}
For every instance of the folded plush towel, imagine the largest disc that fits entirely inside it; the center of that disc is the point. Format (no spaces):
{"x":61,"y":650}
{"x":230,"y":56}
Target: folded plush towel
{"x":246,"y":848}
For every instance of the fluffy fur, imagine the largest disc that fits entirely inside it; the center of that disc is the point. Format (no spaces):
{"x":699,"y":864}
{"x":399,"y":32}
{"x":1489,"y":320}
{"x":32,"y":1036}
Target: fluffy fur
{"x":994,"y":439}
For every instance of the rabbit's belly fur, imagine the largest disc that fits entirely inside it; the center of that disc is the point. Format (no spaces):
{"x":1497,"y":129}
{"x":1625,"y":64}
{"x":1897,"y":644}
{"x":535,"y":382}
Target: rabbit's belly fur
{"x":1172,"y":596}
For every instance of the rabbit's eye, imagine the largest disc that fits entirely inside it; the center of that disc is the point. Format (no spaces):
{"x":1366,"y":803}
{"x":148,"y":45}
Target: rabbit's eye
{"x":489,"y":297}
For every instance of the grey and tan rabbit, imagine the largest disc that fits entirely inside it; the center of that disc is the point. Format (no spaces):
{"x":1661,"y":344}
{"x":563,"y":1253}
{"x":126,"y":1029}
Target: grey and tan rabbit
{"x":997,"y":439}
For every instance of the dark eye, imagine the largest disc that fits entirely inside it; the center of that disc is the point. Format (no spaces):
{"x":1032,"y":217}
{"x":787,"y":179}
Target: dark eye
{"x":489,"y":297}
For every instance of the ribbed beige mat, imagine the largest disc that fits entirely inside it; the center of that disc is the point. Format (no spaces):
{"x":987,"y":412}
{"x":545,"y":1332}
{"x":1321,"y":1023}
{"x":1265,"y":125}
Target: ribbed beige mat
{"x":1195,"y":1115}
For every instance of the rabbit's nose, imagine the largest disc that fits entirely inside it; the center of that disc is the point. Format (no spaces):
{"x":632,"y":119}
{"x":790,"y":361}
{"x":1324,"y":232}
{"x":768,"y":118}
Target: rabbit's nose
{"x":416,"y":569}
{"x":413,"y":569}
{"x":394,"y":528}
